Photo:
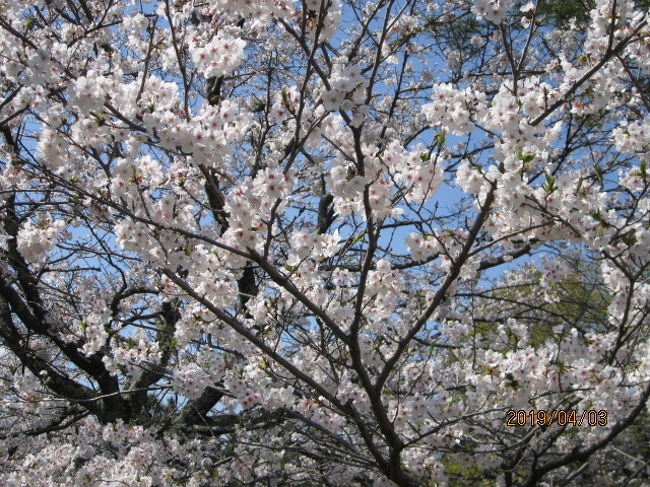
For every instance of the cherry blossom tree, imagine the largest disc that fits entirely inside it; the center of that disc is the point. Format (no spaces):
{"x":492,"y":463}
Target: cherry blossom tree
{"x":273,"y":242}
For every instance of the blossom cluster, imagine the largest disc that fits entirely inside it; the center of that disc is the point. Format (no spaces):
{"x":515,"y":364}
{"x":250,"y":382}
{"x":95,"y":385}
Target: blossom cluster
{"x":240,"y":241}
{"x":34,"y":241}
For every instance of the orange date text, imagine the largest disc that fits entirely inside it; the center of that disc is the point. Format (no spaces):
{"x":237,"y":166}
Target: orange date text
{"x":561,"y":417}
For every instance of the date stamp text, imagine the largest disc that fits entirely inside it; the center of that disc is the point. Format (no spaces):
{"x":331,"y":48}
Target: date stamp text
{"x":561,"y":417}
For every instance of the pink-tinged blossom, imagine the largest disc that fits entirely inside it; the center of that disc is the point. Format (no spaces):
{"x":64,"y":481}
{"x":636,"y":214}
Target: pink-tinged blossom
{"x":219,"y":56}
{"x":491,"y":10}
{"x":34,"y":241}
{"x":251,"y":242}
{"x":190,"y":381}
{"x":452,"y":108}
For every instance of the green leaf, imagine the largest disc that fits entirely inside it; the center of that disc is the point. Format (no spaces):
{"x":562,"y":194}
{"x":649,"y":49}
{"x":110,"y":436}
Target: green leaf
{"x":100,"y":118}
{"x":549,"y":185}
{"x":596,"y":215}
{"x":440,"y":139}
{"x":599,"y":174}
{"x":527,"y":158}
{"x":579,"y":185}
{"x":285,"y":98}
